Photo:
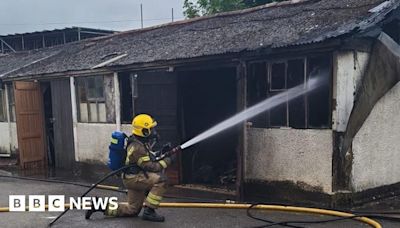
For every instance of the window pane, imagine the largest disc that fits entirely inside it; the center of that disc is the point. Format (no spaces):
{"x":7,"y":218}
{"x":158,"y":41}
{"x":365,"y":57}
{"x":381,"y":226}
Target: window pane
{"x":319,"y":99}
{"x":82,"y":91}
{"x":278,"y":116}
{"x":92,"y":106}
{"x":257,"y":90}
{"x":82,"y":101}
{"x":277,"y":80}
{"x":297,"y":110}
{"x":295,"y":72}
{"x":99,"y":87}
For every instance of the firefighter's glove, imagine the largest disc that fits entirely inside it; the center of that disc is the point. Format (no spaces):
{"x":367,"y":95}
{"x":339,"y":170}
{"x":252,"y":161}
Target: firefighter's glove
{"x":166,"y":149}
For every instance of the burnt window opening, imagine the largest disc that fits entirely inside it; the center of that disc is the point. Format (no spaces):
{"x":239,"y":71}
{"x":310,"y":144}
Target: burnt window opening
{"x":319,"y":106}
{"x":95,"y":99}
{"x":277,"y":80}
{"x":256,"y":92}
{"x":311,"y":110}
{"x":297,"y":107}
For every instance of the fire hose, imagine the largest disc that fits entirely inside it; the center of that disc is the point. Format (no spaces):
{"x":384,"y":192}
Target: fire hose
{"x":327,"y":212}
{"x":342,"y":215}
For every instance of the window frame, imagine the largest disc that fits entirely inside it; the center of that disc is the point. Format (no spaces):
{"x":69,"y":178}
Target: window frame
{"x":270,"y":91}
{"x":82,"y":83}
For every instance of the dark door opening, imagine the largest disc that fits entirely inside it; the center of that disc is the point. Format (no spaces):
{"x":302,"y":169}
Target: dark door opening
{"x":63,"y":136}
{"x":208,"y":97}
{"x":153,"y":93}
{"x":48,"y":120}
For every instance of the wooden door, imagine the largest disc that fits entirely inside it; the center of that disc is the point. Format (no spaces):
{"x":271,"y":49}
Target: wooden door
{"x":157,"y":96}
{"x":62,"y":125}
{"x":30,"y":124}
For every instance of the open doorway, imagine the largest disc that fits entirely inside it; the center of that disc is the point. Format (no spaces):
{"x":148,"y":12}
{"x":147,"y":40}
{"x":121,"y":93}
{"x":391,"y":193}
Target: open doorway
{"x":48,"y":120}
{"x":208,"y":97}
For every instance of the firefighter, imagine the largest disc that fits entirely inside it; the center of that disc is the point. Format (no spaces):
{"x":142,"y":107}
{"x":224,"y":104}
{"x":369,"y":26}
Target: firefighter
{"x":145,"y":181}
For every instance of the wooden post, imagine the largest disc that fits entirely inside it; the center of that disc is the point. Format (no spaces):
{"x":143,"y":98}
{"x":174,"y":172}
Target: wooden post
{"x":74,"y":116}
{"x":8,"y":116}
{"x":117,"y":102}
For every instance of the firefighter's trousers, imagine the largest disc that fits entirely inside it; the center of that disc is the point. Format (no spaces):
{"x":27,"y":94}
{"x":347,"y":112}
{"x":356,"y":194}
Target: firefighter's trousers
{"x":138,"y":185}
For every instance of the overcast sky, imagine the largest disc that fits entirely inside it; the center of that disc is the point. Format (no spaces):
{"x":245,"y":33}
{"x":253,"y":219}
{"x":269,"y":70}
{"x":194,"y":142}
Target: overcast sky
{"x":20,"y":16}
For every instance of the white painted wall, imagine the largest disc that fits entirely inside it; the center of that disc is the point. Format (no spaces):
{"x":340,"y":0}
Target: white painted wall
{"x":4,"y":138}
{"x":93,"y":141}
{"x":13,"y":135}
{"x":301,"y":156}
{"x":8,"y":137}
{"x":376,"y":147}
{"x":348,"y":68}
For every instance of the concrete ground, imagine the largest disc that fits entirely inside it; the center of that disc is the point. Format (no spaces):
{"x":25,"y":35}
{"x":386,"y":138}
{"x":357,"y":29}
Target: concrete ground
{"x":175,"y":217}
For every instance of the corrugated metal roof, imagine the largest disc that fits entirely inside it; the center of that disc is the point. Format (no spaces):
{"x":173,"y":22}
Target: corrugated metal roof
{"x":66,"y":29}
{"x":277,"y":25}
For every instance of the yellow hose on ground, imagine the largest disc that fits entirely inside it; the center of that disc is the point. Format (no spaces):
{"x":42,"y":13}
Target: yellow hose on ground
{"x":365,"y":220}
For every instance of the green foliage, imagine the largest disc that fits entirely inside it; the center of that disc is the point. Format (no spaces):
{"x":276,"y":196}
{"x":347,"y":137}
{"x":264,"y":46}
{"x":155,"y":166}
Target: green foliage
{"x":191,"y":9}
{"x":196,"y":8}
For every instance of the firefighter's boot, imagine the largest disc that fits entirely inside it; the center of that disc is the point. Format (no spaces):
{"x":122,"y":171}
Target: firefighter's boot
{"x":150,"y":214}
{"x":91,"y":211}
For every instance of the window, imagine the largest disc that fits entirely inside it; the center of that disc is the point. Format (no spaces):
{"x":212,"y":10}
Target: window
{"x":277,"y":77}
{"x":319,"y":106}
{"x":3,"y":112}
{"x":256,"y":92}
{"x":95,"y":99}
{"x":311,"y":110}
{"x":11,"y":102}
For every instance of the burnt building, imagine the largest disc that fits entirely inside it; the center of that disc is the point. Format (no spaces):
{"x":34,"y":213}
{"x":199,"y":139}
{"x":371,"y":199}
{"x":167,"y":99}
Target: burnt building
{"x":339,"y":139}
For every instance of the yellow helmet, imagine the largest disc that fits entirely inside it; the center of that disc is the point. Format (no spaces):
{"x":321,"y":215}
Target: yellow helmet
{"x":142,"y":125}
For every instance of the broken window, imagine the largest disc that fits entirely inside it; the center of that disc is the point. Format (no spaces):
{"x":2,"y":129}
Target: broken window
{"x":257,"y":84}
{"x":311,"y":110}
{"x":95,"y":99}
{"x":277,"y":84}
{"x":278,"y":77}
{"x":319,"y":111}
{"x":297,"y":106}
{"x":3,"y":112}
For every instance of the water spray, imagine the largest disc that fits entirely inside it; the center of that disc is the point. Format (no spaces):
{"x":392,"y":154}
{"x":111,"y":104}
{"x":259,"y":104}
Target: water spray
{"x":255,"y":110}
{"x":228,"y":123}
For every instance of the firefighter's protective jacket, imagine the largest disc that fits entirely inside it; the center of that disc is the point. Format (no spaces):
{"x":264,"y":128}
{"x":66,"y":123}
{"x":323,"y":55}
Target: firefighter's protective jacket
{"x":138,"y":152}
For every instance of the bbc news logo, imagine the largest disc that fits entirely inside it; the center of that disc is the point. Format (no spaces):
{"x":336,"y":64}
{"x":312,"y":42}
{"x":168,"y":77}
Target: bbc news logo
{"x":37,"y":203}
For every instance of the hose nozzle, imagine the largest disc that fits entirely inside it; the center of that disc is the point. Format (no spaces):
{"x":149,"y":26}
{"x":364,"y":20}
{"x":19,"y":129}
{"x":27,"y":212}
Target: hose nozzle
{"x":176,"y":150}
